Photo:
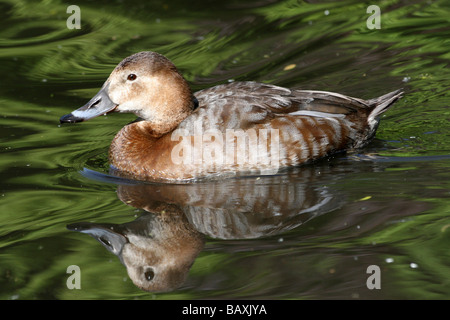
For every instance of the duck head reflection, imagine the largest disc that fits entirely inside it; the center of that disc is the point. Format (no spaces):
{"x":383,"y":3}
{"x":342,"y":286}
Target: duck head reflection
{"x":160,"y":246}
{"x":157,"y":248}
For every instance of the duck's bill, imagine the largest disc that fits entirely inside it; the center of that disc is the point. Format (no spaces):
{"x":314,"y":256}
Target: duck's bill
{"x":109,"y":235}
{"x":99,"y":105}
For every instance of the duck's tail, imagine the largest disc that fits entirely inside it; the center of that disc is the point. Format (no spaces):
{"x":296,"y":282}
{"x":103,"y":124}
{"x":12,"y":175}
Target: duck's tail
{"x":378,"y":106}
{"x":381,"y":104}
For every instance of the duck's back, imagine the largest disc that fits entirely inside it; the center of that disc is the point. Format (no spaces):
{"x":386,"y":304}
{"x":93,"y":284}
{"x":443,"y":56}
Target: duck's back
{"x":308,"y":124}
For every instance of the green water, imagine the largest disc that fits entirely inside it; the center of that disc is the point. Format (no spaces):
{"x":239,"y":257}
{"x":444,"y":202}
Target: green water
{"x":309,"y":233}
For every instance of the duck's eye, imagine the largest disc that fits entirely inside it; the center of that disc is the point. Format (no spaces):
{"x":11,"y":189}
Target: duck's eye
{"x":131,"y":77}
{"x":149,"y":274}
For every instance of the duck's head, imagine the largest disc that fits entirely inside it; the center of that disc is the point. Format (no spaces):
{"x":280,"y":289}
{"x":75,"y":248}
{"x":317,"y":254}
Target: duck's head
{"x":153,"y":264}
{"x":146,"y":84}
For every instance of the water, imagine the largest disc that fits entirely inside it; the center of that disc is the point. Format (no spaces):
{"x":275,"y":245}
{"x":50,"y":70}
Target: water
{"x":308,"y":233}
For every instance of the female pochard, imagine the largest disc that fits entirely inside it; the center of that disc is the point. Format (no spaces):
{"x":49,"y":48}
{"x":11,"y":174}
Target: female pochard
{"x":239,"y":127}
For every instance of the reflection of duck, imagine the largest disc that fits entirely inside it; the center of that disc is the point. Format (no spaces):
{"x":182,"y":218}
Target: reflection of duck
{"x":159,"y":247}
{"x":303,"y":125}
{"x":157,"y":250}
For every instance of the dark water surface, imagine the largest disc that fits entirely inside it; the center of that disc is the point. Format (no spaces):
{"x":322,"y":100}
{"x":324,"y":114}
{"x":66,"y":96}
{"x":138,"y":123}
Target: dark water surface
{"x":307,"y":233}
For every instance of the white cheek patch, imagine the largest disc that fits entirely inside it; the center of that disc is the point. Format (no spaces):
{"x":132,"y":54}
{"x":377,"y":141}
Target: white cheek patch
{"x":116,"y":93}
{"x":146,"y":114}
{"x":126,"y":107}
{"x":133,"y":107}
{"x":137,"y":96}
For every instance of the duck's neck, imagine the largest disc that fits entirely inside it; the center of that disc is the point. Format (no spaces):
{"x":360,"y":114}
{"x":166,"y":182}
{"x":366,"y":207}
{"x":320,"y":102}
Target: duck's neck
{"x":170,"y":102}
{"x":143,"y":148}
{"x":138,"y":152}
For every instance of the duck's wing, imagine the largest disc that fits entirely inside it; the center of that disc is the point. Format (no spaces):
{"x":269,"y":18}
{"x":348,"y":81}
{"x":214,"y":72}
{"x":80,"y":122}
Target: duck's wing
{"x":307,"y":125}
{"x":243,"y":104}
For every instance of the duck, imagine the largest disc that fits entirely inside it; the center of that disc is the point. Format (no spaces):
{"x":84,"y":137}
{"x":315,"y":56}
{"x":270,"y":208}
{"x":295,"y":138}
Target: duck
{"x":236,"y":128}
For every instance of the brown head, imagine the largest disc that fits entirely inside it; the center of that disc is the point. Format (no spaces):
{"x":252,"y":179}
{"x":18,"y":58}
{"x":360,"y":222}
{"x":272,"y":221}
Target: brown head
{"x":146,"y":84}
{"x":157,"y":249}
